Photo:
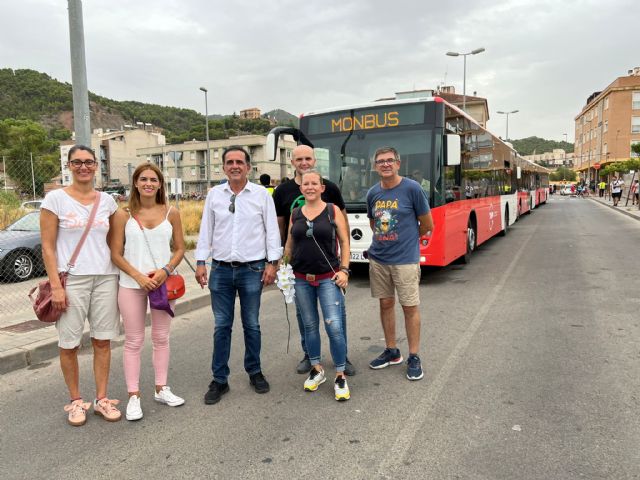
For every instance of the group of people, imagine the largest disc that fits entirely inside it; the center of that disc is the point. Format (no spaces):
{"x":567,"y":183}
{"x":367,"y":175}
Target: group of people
{"x":244,"y":233}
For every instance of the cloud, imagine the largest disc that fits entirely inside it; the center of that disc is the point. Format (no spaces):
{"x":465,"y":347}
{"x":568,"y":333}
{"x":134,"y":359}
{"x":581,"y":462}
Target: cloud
{"x":542,"y":57}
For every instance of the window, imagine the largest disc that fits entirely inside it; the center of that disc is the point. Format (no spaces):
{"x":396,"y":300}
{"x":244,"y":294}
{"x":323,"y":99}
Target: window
{"x":606,"y":126}
{"x":635,"y":101}
{"x":605,"y":149}
{"x":606,"y":103}
{"x":635,"y":124}
{"x":632,"y":154}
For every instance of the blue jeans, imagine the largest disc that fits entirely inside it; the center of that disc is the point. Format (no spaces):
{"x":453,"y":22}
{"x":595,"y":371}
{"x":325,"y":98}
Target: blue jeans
{"x":224,"y":282}
{"x":301,"y":327}
{"x":332,"y":304}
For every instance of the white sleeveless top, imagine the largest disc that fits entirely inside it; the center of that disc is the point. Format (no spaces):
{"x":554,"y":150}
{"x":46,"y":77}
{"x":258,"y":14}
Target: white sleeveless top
{"x":136,"y":251}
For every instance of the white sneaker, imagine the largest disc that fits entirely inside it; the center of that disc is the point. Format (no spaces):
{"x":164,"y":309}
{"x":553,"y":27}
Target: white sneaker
{"x":134,"y":410}
{"x":167,"y":397}
{"x":341,"y":389}
{"x":314,"y":380}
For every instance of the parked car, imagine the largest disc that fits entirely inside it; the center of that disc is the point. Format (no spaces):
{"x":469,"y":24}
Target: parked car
{"x":21,"y":249}
{"x":32,"y":204}
{"x":566,"y":190}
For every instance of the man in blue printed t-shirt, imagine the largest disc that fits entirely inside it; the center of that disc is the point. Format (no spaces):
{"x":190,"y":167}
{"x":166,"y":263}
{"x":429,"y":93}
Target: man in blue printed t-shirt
{"x":399,"y":215}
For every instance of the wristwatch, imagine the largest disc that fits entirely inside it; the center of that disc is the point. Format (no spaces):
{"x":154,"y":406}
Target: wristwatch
{"x":346,"y":270}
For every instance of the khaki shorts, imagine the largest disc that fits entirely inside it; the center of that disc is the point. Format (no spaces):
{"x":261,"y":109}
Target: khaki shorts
{"x":385,"y":280}
{"x":91,"y":297}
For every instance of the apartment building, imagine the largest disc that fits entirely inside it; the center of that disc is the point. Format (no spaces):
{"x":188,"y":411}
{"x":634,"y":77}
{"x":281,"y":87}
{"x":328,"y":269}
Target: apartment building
{"x":554,"y":159}
{"x":476,"y":107}
{"x":608,"y":125}
{"x":250,"y":113}
{"x":116,"y":152}
{"x":188,"y":162}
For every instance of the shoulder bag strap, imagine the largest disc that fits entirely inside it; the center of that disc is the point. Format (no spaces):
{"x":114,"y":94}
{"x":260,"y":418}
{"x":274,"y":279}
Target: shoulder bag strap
{"x":332,"y":221}
{"x":92,"y":216}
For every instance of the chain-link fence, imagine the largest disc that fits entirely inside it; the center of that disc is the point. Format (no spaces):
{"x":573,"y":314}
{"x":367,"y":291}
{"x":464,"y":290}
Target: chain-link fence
{"x":23,"y":185}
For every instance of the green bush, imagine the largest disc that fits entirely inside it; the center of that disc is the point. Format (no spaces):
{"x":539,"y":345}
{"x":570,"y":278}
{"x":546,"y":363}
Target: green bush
{"x":9,"y":200}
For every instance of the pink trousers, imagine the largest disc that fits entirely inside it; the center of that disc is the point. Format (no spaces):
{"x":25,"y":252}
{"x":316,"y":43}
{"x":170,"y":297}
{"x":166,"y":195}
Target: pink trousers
{"x":133,"y":308}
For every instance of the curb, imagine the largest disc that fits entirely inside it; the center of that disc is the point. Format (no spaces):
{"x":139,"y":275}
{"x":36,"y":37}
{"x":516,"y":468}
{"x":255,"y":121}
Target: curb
{"x":617,"y":209}
{"x":43,"y":350}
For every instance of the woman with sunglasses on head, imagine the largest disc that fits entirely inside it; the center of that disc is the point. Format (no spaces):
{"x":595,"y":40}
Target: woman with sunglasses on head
{"x":92,"y":284}
{"x":141,"y":248}
{"x":321,"y":275}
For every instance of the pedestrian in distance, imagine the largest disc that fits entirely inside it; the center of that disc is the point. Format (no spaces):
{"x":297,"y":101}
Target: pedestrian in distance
{"x":602,"y":185}
{"x":92,"y":285}
{"x":399,"y":215}
{"x":635,"y":190}
{"x":287,"y":197}
{"x":616,"y":190}
{"x":239,"y":231}
{"x":265,"y":181}
{"x":321,"y":275}
{"x":141,"y":238}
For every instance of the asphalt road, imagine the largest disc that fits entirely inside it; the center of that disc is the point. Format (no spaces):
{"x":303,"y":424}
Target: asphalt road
{"x":531,"y":352}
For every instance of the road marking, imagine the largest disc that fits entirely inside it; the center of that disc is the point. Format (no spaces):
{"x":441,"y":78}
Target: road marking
{"x":405,"y":439}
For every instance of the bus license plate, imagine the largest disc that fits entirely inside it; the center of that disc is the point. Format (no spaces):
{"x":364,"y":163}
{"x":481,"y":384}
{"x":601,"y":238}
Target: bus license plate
{"x":357,"y":257}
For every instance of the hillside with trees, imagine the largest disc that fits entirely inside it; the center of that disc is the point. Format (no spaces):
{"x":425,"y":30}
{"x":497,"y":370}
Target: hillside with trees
{"x":31,"y":95}
{"x":533,"y":145}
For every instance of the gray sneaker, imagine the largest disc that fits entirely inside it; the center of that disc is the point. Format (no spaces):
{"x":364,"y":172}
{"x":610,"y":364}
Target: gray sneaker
{"x":304,"y":366}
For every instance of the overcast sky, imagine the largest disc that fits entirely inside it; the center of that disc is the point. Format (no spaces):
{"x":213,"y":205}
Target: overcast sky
{"x":542,"y":57}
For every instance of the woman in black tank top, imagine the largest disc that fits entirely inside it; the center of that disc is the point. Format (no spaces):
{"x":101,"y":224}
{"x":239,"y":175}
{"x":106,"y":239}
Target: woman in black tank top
{"x":315,"y":229}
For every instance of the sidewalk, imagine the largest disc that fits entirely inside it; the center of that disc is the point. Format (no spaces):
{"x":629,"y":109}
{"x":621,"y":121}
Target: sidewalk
{"x":27,"y":341}
{"x":629,"y":210}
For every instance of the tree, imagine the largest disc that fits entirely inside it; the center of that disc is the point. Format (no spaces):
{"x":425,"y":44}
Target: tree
{"x":19,"y":141}
{"x":563,"y":173}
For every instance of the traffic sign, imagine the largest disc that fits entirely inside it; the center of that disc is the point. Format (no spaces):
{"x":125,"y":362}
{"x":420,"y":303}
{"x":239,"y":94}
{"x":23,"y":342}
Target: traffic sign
{"x":597,"y":166}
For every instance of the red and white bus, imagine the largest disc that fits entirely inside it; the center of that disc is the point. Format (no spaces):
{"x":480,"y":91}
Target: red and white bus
{"x":477,"y":185}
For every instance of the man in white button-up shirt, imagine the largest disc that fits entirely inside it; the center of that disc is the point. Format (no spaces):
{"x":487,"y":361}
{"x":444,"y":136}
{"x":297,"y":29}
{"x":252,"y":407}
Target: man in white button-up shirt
{"x":239,"y":231}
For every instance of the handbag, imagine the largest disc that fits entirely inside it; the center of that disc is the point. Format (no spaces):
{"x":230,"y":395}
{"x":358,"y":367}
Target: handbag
{"x":172,"y":288}
{"x":42,"y":305}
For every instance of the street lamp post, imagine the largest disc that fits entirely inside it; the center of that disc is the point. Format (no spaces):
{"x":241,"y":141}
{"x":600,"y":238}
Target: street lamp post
{"x":206,"y":123}
{"x":464,"y":72}
{"x":507,"y":114}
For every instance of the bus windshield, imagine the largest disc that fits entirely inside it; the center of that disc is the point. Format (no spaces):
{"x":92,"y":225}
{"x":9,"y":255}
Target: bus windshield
{"x":346,"y":159}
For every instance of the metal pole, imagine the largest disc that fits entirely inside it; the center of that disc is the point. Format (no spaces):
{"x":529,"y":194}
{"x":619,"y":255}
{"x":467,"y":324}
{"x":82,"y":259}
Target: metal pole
{"x":4,"y":170}
{"x":81,"y":118}
{"x":33,"y":178}
{"x":175,"y":162}
{"x":464,"y":84}
{"x":206,"y":123}
{"x":129,"y":174}
{"x":507,"y":127}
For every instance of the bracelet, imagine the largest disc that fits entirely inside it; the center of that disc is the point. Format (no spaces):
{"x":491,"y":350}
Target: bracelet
{"x":346,"y":270}
{"x":201,"y":263}
{"x":171,"y":269}
{"x":166,"y":271}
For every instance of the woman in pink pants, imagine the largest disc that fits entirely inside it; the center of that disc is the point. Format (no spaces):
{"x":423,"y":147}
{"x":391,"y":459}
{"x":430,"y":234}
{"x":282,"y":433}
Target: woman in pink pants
{"x":137,"y":257}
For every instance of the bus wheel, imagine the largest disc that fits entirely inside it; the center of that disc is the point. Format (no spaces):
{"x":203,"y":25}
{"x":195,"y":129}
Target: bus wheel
{"x":503,"y":232}
{"x":471,"y":242}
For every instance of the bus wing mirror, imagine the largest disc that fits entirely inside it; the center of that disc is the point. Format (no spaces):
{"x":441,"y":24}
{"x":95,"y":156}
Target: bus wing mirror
{"x":452,"y":150}
{"x":271,"y":146}
{"x":273,"y":138}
